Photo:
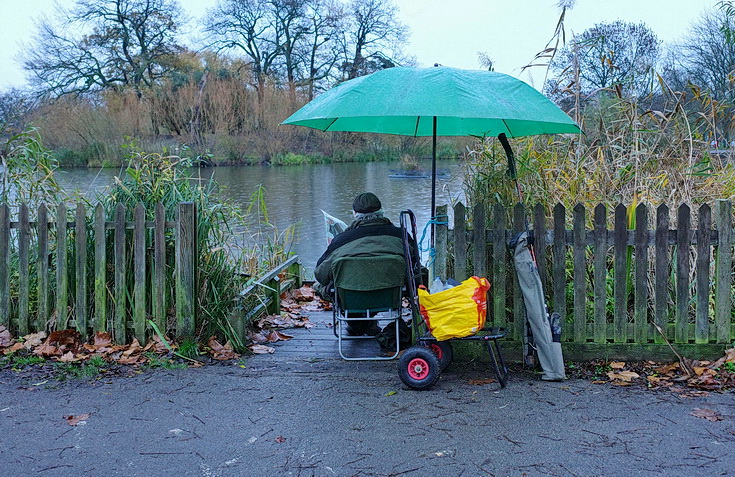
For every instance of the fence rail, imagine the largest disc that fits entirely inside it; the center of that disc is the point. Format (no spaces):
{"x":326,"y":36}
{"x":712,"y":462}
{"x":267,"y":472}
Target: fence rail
{"x":610,"y":285}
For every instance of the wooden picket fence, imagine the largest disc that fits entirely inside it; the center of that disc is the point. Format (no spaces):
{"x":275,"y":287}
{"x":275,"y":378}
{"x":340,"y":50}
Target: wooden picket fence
{"x":610,"y":286}
{"x":62,"y":300}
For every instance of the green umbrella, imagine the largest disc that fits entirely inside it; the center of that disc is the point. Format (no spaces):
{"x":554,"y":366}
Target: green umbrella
{"x":437,"y":101}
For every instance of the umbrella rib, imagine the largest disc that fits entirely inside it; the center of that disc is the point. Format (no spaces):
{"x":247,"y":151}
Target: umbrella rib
{"x":510,"y":134}
{"x":416,"y":130}
{"x":330,"y":125}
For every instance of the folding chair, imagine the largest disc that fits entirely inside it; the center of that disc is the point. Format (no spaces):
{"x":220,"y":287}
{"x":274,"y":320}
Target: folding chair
{"x":363,"y":287}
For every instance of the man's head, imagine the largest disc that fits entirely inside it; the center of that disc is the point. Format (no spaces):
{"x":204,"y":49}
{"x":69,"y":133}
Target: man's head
{"x":366,"y":203}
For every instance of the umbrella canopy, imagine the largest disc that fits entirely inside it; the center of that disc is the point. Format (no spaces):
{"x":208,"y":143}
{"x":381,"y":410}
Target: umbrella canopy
{"x":405,"y":101}
{"x":437,"y":101}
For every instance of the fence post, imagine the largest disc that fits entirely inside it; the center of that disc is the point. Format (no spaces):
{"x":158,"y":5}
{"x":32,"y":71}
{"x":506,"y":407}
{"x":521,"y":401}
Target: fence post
{"x":62,"y":270}
{"x":701,"y":327}
{"x":683,"y":245}
{"x":440,"y":245}
{"x":139,"y":273}
{"x":620,"y":289}
{"x":559,"y":268}
{"x":580,"y":274}
{"x":723,"y":270}
{"x":479,"y":242}
{"x":500,"y":267}
{"x":186,"y":260}
{"x":641,"y":274}
{"x":42,"y":268}
{"x":23,"y":272}
{"x":159,"y":268}
{"x":600,"y":273}
{"x":661,"y":287}
{"x":460,"y":242}
{"x":80,"y":236}
{"x":4,"y":265}
{"x":100,"y":270}
{"x":119,"y":319}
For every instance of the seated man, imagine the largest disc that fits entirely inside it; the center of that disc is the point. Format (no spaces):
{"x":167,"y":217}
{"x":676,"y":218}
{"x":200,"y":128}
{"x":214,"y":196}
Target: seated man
{"x":369,"y":234}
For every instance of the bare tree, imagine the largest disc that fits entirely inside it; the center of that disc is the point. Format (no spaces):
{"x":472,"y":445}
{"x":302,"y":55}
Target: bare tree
{"x":373,"y":37}
{"x":114,"y":43}
{"x":609,"y":55}
{"x":707,"y":57}
{"x":321,"y":49}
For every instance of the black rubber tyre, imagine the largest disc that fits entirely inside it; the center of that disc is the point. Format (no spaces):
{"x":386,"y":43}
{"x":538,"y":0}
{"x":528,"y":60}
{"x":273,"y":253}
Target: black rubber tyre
{"x":443,"y":351}
{"x":419,"y":368}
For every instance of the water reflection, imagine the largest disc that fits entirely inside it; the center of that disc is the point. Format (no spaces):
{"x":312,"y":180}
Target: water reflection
{"x":296,"y":194}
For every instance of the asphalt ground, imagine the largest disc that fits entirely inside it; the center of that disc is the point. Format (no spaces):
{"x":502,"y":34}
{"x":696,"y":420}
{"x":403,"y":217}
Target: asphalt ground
{"x":301,"y":411}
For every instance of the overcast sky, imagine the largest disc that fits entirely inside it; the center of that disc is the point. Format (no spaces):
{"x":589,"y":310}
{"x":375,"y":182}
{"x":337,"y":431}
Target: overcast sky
{"x":449,"y":32}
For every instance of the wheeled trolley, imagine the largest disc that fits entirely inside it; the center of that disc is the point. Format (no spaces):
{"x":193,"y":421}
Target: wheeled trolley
{"x":419,"y":366}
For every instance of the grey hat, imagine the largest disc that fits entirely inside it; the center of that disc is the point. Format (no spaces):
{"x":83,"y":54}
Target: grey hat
{"x":366,"y":202}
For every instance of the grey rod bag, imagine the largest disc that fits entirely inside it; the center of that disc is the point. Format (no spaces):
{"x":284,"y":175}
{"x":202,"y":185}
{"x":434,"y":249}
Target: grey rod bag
{"x":549,"y":352}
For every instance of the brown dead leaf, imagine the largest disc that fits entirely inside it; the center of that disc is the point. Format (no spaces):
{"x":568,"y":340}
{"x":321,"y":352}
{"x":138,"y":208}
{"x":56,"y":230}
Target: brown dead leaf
{"x":667,"y":369}
{"x":280,"y":439}
{"x":625,"y":376}
{"x":276,"y":335}
{"x":102,"y":339}
{"x":708,"y":414}
{"x":261,"y":349}
{"x":69,"y":357}
{"x":659,"y":380}
{"x":16,"y":347}
{"x":617,"y":364}
{"x":600,"y":382}
{"x":481,"y":382}
{"x":65,"y":339}
{"x":74,"y":420}
{"x":46,"y":349}
{"x":621,"y":383}
{"x":34,"y":339}
{"x":304,"y":293}
{"x":221,"y":352}
{"x":6,"y":339}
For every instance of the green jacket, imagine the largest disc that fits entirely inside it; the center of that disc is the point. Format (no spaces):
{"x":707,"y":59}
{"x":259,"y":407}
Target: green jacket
{"x":362,"y":238}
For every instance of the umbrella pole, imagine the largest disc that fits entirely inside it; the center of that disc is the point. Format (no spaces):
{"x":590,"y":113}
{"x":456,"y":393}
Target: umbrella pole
{"x":433,"y":182}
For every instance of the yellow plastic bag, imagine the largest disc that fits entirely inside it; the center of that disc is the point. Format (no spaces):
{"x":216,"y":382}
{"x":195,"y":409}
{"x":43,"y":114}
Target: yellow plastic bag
{"x":457,"y":312}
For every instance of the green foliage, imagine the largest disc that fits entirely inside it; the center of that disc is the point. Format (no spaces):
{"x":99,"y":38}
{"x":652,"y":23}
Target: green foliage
{"x":154,"y":361}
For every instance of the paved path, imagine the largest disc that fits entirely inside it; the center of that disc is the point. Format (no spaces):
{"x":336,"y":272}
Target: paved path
{"x":302,"y":412}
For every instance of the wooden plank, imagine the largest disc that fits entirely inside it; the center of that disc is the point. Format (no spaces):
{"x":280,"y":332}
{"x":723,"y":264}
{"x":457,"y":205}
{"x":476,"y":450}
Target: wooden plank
{"x":4,"y":265}
{"x":62,"y":269}
{"x":579,"y":273}
{"x":621,"y":268}
{"x":723,"y":270}
{"x":80,"y":236}
{"x":701,"y":329}
{"x":23,"y":271}
{"x":460,"y":243}
{"x":185,"y":269}
{"x":600,"y":272}
{"x":479,"y":242}
{"x":683,"y":266}
{"x":42,"y":268}
{"x":119,"y":318}
{"x":519,"y":309}
{"x":640,"y":311}
{"x":539,"y":246}
{"x":100,"y":270}
{"x":440,"y":244}
{"x":499,"y":281}
{"x":559,"y":267}
{"x":139,"y":273}
{"x":159,"y":268}
{"x":661,"y":285}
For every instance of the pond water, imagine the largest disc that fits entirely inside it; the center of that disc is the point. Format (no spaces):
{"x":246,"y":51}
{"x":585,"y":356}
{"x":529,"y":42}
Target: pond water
{"x":297,"y":194}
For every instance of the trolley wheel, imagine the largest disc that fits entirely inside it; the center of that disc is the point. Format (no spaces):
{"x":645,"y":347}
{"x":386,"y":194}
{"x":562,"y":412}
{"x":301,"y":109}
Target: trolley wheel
{"x":419,"y":367}
{"x":443,"y":351}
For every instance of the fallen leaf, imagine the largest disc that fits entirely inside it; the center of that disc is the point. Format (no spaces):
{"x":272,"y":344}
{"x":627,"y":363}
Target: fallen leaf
{"x":622,"y":376}
{"x":621,"y":383}
{"x":280,"y":439}
{"x":34,"y":339}
{"x":261,"y":349}
{"x":617,"y":364}
{"x":6,"y":339}
{"x":69,"y":357}
{"x":708,"y":414}
{"x":390,"y":393}
{"x":102,"y":339}
{"x":16,"y":347}
{"x":276,"y":335}
{"x":600,"y":382}
{"x":65,"y":338}
{"x":220,"y":351}
{"x":303,"y":294}
{"x":46,"y":349}
{"x":481,"y":382}
{"x":74,"y":420}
